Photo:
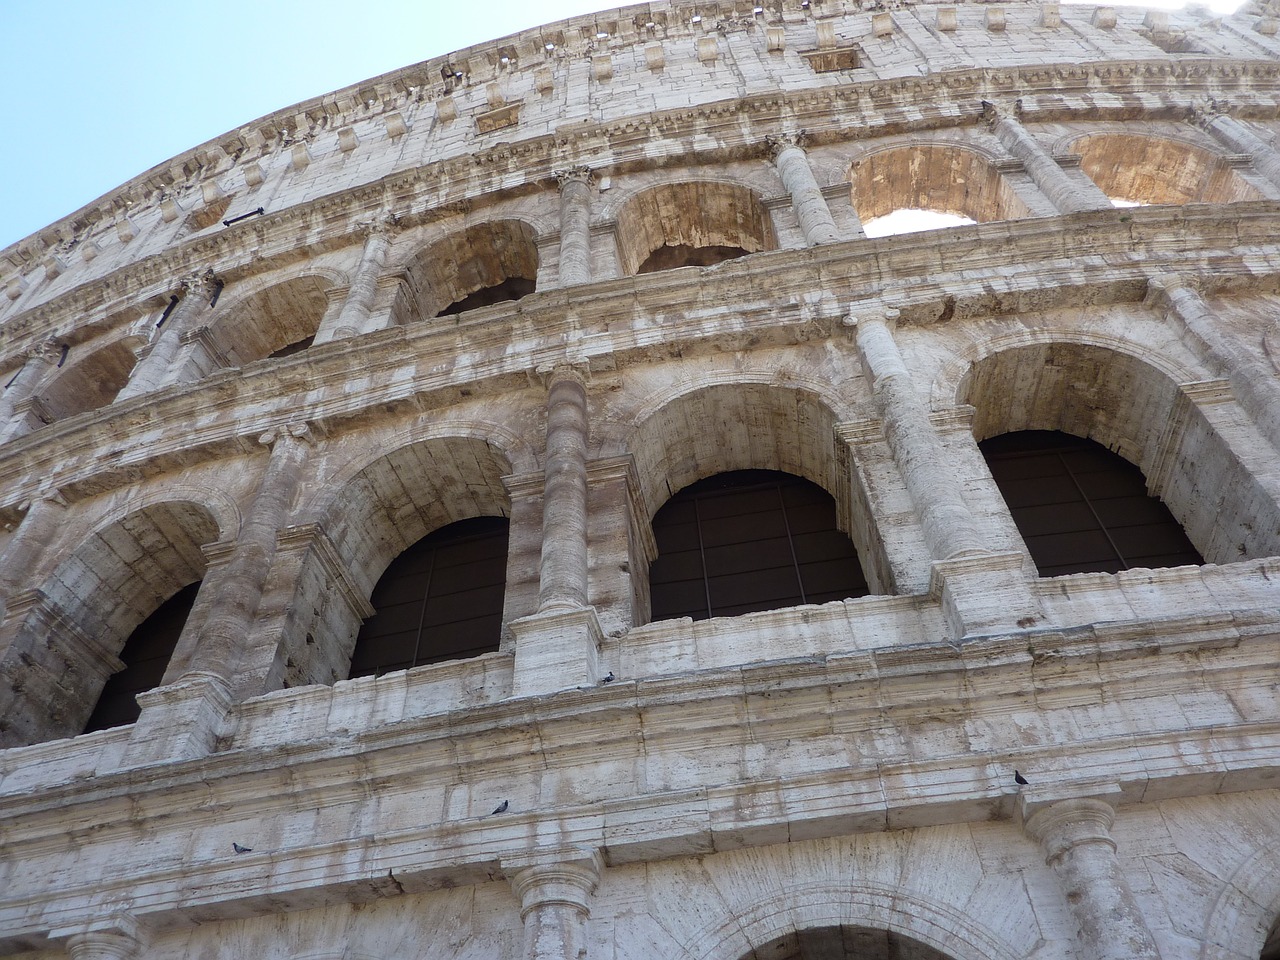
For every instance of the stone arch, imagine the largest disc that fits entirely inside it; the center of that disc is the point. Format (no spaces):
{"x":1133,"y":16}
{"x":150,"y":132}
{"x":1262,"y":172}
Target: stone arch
{"x":1143,"y":168}
{"x":74,"y":625}
{"x":690,"y":223}
{"x":942,"y":177}
{"x":89,"y":381}
{"x":486,"y":262}
{"x":266,"y":321}
{"x":788,"y":427}
{"x":375,"y":509}
{"x":1246,"y":911}
{"x":1129,"y":404}
{"x":949,"y":931}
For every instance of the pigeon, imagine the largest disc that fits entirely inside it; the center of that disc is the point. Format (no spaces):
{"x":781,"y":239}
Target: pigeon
{"x":609,"y":679}
{"x":502,"y":808}
{"x":1019,"y":779}
{"x":239,"y":849}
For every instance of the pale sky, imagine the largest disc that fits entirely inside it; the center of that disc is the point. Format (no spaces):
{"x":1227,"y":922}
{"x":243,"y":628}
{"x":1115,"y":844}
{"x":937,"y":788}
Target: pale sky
{"x":98,"y":91}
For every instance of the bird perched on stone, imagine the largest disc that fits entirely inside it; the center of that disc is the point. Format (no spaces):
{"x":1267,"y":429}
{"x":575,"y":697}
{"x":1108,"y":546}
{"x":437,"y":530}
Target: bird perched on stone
{"x":502,"y":807}
{"x":1019,"y":779}
{"x":609,"y":679}
{"x":239,"y":849}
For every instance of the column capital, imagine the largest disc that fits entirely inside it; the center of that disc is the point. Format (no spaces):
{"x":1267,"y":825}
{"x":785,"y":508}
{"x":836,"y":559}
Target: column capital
{"x":1162,"y":286}
{"x":301,"y":431}
{"x":1066,"y":824}
{"x":1204,"y":110}
{"x":577,"y":174}
{"x":200,"y":282}
{"x":45,"y":350}
{"x":993,"y":111}
{"x":117,"y":937}
{"x":378,"y":226}
{"x":568,"y":879}
{"x":552,"y":373}
{"x":775,"y":143}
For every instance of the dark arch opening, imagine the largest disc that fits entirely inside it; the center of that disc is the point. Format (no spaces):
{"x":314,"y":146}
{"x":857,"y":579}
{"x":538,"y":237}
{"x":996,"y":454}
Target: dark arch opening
{"x":512,"y":288}
{"x":669,"y":256}
{"x":747,"y":541}
{"x":845,"y":942}
{"x":1271,"y":949}
{"x":146,"y":656}
{"x":439,"y":600}
{"x":1081,"y":508}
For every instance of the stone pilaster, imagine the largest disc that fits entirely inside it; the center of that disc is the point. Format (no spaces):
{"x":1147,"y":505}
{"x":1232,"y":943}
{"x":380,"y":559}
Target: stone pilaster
{"x":354,"y":318}
{"x":1251,"y":378}
{"x":35,"y":365}
{"x":1067,"y":194}
{"x":575,"y":225}
{"x":156,"y":366}
{"x":949,"y":527}
{"x":45,"y":514}
{"x":1237,"y":137}
{"x":1075,"y":835}
{"x":555,"y":900}
{"x":185,"y":717}
{"x":559,"y":646}
{"x":980,"y":589}
{"x":563,"y":572}
{"x":806,"y":196}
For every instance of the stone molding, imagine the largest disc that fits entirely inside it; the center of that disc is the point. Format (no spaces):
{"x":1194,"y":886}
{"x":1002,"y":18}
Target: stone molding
{"x":1185,"y":81}
{"x":1028,"y":251}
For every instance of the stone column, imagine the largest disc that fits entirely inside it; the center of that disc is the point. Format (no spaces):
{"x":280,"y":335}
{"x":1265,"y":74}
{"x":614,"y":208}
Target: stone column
{"x":364,"y":285}
{"x":154,"y":367}
{"x":122,"y":940}
{"x":806,"y":196}
{"x":1252,"y":380}
{"x":559,"y":646}
{"x":1076,"y":837}
{"x":35,"y":365}
{"x":563,"y":576}
{"x":981,"y":590}
{"x":949,"y":527}
{"x":554,"y":906}
{"x":183,"y":718}
{"x":1234,"y":135}
{"x":1067,"y":194}
{"x":45,"y":515}
{"x":575,"y":225}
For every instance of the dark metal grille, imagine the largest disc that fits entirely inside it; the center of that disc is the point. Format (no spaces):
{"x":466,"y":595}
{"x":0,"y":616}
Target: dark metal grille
{"x":1081,"y":508}
{"x":146,"y":655}
{"x":747,"y":541}
{"x":439,"y":600}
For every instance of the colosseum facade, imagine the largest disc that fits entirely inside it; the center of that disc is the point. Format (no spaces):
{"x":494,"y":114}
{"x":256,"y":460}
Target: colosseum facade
{"x":517,"y":508}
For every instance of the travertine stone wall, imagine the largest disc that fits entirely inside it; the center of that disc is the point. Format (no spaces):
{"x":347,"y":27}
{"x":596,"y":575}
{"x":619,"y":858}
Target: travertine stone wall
{"x":843,"y":779}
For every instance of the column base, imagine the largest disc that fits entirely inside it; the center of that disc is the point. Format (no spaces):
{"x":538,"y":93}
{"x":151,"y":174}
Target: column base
{"x":181,"y":721}
{"x":985,"y":594}
{"x":556,"y":650}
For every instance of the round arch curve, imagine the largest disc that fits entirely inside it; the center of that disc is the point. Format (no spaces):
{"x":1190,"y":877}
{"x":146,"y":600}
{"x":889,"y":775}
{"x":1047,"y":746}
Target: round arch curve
{"x":948,"y":931}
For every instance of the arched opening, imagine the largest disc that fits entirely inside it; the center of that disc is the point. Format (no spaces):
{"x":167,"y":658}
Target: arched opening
{"x":746,"y":541}
{"x":1271,"y":949}
{"x":275,"y":322}
{"x":1081,"y":508}
{"x":145,"y":656}
{"x":88,"y":383}
{"x":695,"y":223}
{"x":439,"y":600}
{"x":73,"y":636}
{"x":484,"y":264}
{"x":1135,"y":410}
{"x":1141,"y":170}
{"x":845,"y":942}
{"x":938,"y":179}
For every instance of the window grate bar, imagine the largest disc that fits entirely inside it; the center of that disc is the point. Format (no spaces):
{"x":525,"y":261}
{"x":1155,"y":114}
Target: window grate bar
{"x":1089,"y":503}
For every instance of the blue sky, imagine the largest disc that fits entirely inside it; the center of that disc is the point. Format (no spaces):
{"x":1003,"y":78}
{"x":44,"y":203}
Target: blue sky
{"x":97,"y":91}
